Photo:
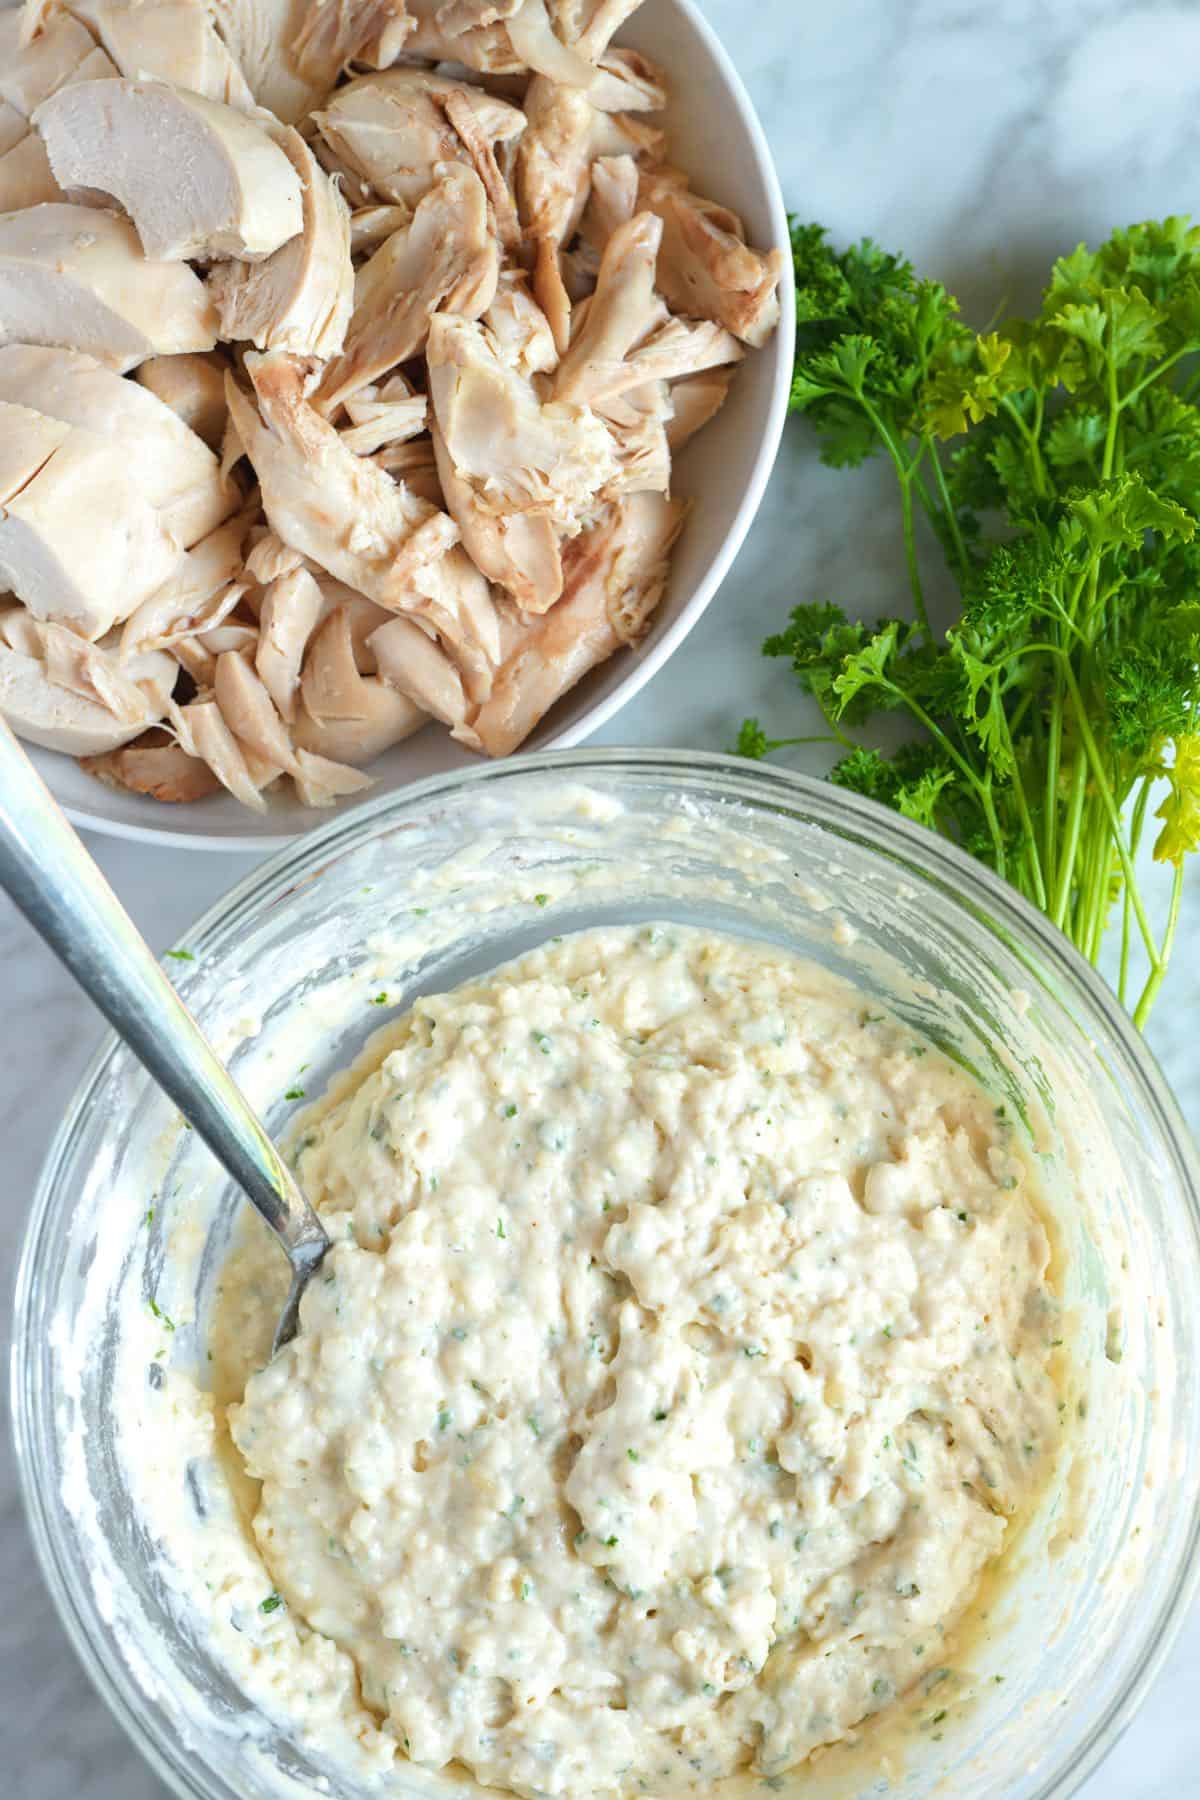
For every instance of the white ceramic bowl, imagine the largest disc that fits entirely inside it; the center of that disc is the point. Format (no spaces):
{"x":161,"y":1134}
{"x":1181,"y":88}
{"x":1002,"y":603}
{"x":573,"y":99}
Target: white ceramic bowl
{"x":714,"y":134}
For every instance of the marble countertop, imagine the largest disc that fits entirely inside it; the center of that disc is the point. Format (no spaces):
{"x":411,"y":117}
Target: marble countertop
{"x":980,"y":140}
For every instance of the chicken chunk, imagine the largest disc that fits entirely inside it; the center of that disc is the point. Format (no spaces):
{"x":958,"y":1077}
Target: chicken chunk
{"x":694,"y":401}
{"x":291,"y":610}
{"x":194,"y":389}
{"x":79,"y":542}
{"x":153,"y":764}
{"x":414,"y":665}
{"x":335,"y":31}
{"x":616,"y":575}
{"x":165,"y":40}
{"x":447,"y":261}
{"x":40,"y":55}
{"x":627,"y":82}
{"x":396,"y":128}
{"x":202,"y":590}
{"x":247,"y":710}
{"x":75,"y":277}
{"x":165,"y":461}
{"x":385,"y":717}
{"x":61,"y":692}
{"x":706,"y":268}
{"x":26,"y":178}
{"x":324,"y":501}
{"x":242,"y":195}
{"x":301,"y":298}
{"x":441,"y":33}
{"x":262,"y":36}
{"x":623,"y":311}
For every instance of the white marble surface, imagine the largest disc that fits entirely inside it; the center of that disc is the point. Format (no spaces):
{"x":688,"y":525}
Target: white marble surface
{"x":981,"y":140}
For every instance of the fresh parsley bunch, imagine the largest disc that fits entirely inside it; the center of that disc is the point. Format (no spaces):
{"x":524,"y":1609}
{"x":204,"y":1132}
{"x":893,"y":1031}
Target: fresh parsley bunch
{"x":1058,"y":461}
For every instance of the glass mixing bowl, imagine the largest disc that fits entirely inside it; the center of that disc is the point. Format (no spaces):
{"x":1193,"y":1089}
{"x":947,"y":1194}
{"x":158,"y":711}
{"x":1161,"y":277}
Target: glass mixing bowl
{"x":426,"y":887}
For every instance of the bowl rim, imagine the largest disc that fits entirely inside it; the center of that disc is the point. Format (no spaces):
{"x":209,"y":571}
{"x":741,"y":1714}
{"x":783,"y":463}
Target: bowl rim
{"x":973,"y":886}
{"x":648,"y":661}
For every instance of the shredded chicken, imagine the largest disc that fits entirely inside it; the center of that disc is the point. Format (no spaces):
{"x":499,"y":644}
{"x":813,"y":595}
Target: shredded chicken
{"x":301,"y":298}
{"x":362,"y":411}
{"x":446,"y":260}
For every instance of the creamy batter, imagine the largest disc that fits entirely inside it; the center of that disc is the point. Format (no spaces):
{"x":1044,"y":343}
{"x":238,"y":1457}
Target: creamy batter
{"x":682,"y":1358}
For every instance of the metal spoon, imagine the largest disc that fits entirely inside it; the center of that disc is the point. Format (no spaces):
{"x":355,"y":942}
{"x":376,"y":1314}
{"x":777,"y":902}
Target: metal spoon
{"x":50,"y":877}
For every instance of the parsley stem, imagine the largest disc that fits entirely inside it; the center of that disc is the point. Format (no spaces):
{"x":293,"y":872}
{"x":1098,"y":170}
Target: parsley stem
{"x":1092,"y":753}
{"x":1155,"y":980}
{"x":951,"y":517}
{"x":1136,"y":825}
{"x":1070,"y":850}
{"x":904,"y":474}
{"x":1032,"y":859}
{"x":1156,"y":374}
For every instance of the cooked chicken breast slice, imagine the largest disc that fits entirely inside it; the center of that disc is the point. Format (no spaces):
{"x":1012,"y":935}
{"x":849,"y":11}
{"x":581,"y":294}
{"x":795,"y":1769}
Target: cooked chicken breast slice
{"x":520,"y":327}
{"x":517,"y":453}
{"x":301,"y":298}
{"x":77,"y":277}
{"x":437,"y":36}
{"x":79,"y":542}
{"x":616,"y":575}
{"x":394,"y":129}
{"x":672,"y":351}
{"x":534,"y":39}
{"x":446,"y":261}
{"x":153,"y":764}
{"x":169,"y":464}
{"x":327,"y":503}
{"x":335,"y":31}
{"x":612,"y":201}
{"x":131,"y":139}
{"x":202,"y":732}
{"x":706,"y":268}
{"x":26,"y":178}
{"x":166,"y":40}
{"x":78,"y":697}
{"x":37,"y":57}
{"x":194,"y":389}
{"x":590,"y":25}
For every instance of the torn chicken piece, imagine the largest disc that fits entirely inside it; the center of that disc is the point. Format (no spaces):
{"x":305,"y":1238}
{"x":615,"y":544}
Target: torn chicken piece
{"x":612,"y":201}
{"x":627,"y":82}
{"x":202,"y":590}
{"x":564,"y":137}
{"x":640,"y":437}
{"x":621,"y":313}
{"x":378,"y":419}
{"x":301,"y":298}
{"x":396,"y":128}
{"x":13,"y":127}
{"x":77,"y":277}
{"x":26,"y":178}
{"x":385,"y":717}
{"x":440,"y":36}
{"x":194,"y":389}
{"x":261,"y":36}
{"x":371,"y":225}
{"x":242,"y":195}
{"x":165,"y":40}
{"x":590,"y":25}
{"x":534,"y":39}
{"x":452,"y":599}
{"x":518,"y":551}
{"x":153,"y":764}
{"x":269,"y":557}
{"x":202,"y":732}
{"x":248,"y":711}
{"x":356,"y":192}
{"x":289,"y":615}
{"x":412,"y":663}
{"x":335,"y":31}
{"x":616,"y":575}
{"x":64,"y":693}
{"x":694,"y":401}
{"x":675,"y":349}
{"x":169,"y":465}
{"x":517,"y":453}
{"x":79,"y":543}
{"x":520,"y":327}
{"x":706,"y":268}
{"x":323,"y":500}
{"x":446,"y":261}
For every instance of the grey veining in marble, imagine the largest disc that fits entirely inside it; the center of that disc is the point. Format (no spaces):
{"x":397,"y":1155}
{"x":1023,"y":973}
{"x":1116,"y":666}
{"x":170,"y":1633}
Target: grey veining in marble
{"x":981,"y":140}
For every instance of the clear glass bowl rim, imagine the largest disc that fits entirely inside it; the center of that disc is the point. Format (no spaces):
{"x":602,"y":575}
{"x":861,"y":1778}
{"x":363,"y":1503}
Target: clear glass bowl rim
{"x":997,"y":908}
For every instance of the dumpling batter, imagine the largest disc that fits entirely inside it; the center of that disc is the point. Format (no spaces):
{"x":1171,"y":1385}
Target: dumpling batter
{"x":679,"y":1362}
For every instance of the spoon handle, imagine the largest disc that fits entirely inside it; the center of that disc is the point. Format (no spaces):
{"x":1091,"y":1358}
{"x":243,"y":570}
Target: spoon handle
{"x":49,"y":876}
